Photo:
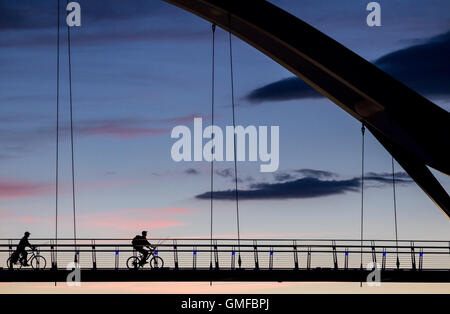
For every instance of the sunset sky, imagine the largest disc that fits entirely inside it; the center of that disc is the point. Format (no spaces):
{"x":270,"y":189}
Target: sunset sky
{"x":141,"y":68}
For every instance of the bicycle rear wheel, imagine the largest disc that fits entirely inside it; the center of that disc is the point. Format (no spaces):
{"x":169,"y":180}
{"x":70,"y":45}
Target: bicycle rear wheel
{"x":133,"y":262}
{"x":11,"y":265}
{"x":156,"y":262}
{"x":38,"y":262}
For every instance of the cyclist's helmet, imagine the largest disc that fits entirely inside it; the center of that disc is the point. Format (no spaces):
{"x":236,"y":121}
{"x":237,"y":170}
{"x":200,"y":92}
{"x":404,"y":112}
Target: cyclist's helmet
{"x":27,"y":234}
{"x":144,"y":233}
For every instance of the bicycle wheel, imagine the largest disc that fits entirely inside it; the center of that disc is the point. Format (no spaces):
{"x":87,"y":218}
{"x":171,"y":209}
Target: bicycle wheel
{"x":11,"y":265}
{"x":133,"y":262}
{"x":38,"y":262}
{"x":156,"y":262}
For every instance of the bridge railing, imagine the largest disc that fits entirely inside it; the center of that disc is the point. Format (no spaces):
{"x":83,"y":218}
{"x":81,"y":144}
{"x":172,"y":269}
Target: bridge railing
{"x":254,"y":253}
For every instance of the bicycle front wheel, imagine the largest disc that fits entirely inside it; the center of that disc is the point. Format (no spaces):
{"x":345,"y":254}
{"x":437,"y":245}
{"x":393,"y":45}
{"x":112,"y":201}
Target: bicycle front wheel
{"x":156,"y":262}
{"x":133,"y":262}
{"x":38,"y":262}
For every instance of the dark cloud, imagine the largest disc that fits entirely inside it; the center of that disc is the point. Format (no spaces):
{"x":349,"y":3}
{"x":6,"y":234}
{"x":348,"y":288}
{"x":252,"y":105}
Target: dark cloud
{"x":282,"y":176}
{"x":313,"y":173}
{"x":300,"y":188}
{"x":423,"y":67}
{"x":191,"y":171}
{"x":225,"y":173}
{"x":386,"y":178}
{"x":285,"y":89}
{"x":307,"y":187}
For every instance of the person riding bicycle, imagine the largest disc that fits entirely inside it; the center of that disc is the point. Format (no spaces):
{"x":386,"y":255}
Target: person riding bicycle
{"x":139,"y":242}
{"x":21,"y":252}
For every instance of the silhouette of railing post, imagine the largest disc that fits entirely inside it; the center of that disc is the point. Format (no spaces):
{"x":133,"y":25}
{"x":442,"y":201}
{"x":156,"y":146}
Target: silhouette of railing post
{"x":374,"y":255}
{"x":216,"y":256}
{"x":233,"y":258}
{"x":194,"y":258}
{"x":346,"y":259}
{"x":53,"y":255}
{"x":271,"y":258}
{"x":383,"y":259}
{"x":94,"y":255}
{"x":308,"y":259}
{"x":421,"y":259}
{"x":116,"y":258}
{"x":413,"y":256}
{"x":255,"y":250}
{"x":175,"y":254}
{"x":295,"y":255}
{"x":10,"y":247}
{"x":335,"y":258}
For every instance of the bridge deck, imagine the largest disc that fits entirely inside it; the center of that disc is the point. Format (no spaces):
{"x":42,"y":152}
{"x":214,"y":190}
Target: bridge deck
{"x":232,"y":260}
{"x":278,"y":275}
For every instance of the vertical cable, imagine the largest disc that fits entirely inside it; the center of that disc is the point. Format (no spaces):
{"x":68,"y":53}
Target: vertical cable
{"x":71,"y":142}
{"x":212,"y":139}
{"x":57,"y":138}
{"x":234,"y":146}
{"x":363,"y":129}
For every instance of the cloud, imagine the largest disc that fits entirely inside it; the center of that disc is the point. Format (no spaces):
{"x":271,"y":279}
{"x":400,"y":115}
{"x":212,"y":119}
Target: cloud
{"x":300,"y":188}
{"x":191,"y":171}
{"x":307,"y":187}
{"x":316,"y":173}
{"x":120,"y":131}
{"x":285,"y":89}
{"x":225,"y":173}
{"x":136,"y":219}
{"x":423,"y":67}
{"x":10,"y":189}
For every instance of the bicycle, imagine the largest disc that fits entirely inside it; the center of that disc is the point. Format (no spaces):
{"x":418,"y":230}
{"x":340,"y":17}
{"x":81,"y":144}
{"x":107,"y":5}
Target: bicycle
{"x":135,"y":262}
{"x":36,"y":261}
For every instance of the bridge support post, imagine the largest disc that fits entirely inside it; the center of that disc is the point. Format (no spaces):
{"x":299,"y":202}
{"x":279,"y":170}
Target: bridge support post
{"x":10,"y":247}
{"x":216,"y":256}
{"x":255,"y":249}
{"x":413,"y":256}
{"x":53,"y":255}
{"x":421,"y":259}
{"x":233,"y":258}
{"x":94,"y":255}
{"x":346,"y":259}
{"x":116,"y":260}
{"x":271,"y":258}
{"x":308,"y":259}
{"x":194,"y":258}
{"x":374,"y":255}
{"x":295,"y":255}
{"x":335,"y":259}
{"x":175,"y":254}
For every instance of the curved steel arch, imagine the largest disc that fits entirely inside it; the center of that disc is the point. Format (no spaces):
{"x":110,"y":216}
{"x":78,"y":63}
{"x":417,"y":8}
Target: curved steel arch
{"x":413,"y":129}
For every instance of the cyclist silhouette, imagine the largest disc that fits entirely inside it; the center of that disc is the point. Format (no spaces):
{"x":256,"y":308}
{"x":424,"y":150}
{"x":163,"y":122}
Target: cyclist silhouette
{"x":139,"y":242}
{"x":20,"y":251}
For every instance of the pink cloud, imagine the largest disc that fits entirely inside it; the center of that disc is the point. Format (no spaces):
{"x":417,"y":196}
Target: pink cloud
{"x":127,"y":224}
{"x":137,"y":218}
{"x":120,"y":131}
{"x":10,"y":189}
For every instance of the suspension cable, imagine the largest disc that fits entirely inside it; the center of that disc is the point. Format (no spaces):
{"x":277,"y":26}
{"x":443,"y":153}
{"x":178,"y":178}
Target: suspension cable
{"x":212,"y":139}
{"x":234,"y":146}
{"x":71,"y":142}
{"x":363,"y":130}
{"x":57,"y":139}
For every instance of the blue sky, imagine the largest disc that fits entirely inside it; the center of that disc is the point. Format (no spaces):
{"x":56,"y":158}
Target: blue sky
{"x":137,"y":73}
